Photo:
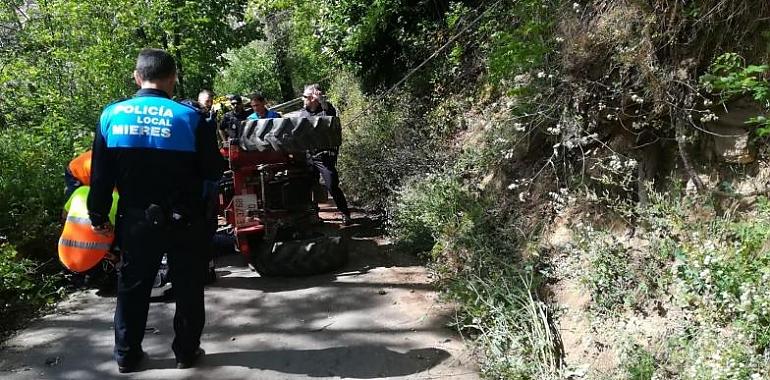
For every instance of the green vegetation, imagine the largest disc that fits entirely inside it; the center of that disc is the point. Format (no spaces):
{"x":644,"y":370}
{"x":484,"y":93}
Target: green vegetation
{"x":640,"y":365}
{"x":62,"y":61}
{"x":23,"y":287}
{"x":537,"y":144}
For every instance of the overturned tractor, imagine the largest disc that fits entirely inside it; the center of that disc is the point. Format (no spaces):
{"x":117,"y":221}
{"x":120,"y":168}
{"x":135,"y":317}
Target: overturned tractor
{"x":271,"y":192}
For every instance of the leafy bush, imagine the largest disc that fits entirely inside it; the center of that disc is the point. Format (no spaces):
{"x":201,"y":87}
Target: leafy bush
{"x":522,"y":44}
{"x":706,"y":353}
{"x":32,"y":185}
{"x":610,"y":278}
{"x":250,"y":68}
{"x":730,"y":77}
{"x":23,"y":288}
{"x":640,"y":364}
{"x":723,"y":266}
{"x":619,"y":277}
{"x":390,"y":142}
{"x":433,"y":208}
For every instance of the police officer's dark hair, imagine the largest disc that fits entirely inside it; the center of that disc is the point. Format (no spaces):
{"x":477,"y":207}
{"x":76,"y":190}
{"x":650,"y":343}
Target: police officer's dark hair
{"x":257,"y":95}
{"x":155,"y":64}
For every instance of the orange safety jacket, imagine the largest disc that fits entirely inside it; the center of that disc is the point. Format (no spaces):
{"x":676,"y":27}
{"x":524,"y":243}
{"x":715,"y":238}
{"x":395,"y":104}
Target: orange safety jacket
{"x":80,"y":247}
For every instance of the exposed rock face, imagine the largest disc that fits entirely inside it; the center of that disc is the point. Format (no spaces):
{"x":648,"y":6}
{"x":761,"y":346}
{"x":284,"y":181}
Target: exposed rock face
{"x":732,"y":144}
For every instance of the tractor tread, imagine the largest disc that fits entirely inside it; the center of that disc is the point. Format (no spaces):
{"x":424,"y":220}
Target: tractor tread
{"x":292,"y":135}
{"x":303,"y":257}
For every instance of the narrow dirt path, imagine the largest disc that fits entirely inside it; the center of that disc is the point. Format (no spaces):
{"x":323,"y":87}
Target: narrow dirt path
{"x":376,"y":318}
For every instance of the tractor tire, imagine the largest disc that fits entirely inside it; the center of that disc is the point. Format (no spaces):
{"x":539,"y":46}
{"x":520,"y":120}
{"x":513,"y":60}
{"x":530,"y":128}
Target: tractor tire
{"x":292,"y":135}
{"x":302,"y":257}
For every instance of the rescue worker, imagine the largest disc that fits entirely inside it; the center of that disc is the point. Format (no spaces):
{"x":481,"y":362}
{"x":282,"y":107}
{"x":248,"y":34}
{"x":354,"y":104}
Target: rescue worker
{"x":157,"y":153}
{"x":259,"y":111}
{"x":325,"y":161}
{"x":77,"y":173}
{"x":232,"y":121}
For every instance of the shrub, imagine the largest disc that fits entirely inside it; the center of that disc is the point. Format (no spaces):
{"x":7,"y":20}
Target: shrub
{"x":723,"y":267}
{"x":619,"y":277}
{"x":32,"y":186}
{"x":610,"y":277}
{"x":640,"y":364}
{"x":384,"y":144}
{"x":250,"y":68}
{"x":433,"y":208}
{"x":23,"y":287}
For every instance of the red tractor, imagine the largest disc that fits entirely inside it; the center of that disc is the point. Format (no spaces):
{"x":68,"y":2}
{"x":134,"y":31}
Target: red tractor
{"x":271,"y":192}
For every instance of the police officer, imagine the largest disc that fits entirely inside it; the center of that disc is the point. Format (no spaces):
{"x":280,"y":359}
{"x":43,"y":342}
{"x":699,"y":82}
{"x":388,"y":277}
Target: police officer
{"x":157,"y":153}
{"x":232,"y":121}
{"x":325,"y":161}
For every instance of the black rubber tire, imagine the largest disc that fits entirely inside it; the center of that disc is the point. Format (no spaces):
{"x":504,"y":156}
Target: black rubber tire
{"x":292,"y":135}
{"x":302,"y":257}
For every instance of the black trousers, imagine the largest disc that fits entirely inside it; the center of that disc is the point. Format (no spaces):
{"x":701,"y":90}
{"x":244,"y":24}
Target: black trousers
{"x":326,"y":164}
{"x":142,"y":247}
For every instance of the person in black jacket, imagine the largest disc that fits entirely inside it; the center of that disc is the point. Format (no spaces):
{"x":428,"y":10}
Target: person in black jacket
{"x":159,"y":154}
{"x":325,"y":161}
{"x":233,"y":121}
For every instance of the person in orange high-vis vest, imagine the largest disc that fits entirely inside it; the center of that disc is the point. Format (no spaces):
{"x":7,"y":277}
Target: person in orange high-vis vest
{"x":80,"y":247}
{"x":77,"y":173}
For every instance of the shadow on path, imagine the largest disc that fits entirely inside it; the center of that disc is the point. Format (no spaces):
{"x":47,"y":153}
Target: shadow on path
{"x":364,"y":362}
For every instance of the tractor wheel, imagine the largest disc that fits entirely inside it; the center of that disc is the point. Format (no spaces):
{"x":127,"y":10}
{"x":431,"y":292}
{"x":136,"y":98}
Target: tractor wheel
{"x":317,"y":254}
{"x":291,"y":135}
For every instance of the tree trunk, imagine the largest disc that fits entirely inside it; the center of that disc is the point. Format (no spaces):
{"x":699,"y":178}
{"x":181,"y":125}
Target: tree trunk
{"x":278,"y":39}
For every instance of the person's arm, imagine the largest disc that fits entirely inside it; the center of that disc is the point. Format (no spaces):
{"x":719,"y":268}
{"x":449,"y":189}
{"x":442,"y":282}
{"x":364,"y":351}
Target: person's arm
{"x":103,"y":176}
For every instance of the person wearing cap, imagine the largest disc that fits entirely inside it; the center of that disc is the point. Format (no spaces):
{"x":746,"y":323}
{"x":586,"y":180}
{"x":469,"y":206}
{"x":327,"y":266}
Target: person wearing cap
{"x":325,"y":161}
{"x":232,"y":121}
{"x":158,"y":154}
{"x":259,"y":109}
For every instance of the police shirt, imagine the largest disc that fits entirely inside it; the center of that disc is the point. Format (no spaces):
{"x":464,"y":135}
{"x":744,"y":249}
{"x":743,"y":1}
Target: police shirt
{"x":154,"y":151}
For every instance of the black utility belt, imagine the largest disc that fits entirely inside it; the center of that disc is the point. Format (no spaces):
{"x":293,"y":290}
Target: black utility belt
{"x":159,"y":216}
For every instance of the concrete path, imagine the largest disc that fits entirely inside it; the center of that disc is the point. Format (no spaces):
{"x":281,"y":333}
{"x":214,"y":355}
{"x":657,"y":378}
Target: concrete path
{"x":377,"y":318}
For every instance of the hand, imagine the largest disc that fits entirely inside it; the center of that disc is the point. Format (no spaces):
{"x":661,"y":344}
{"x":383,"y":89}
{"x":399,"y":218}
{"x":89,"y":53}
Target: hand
{"x":105,"y":229}
{"x":112,"y":257}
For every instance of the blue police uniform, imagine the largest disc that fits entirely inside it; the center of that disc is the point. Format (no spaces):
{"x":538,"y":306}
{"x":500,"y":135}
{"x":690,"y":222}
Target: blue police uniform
{"x":158,"y":153}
